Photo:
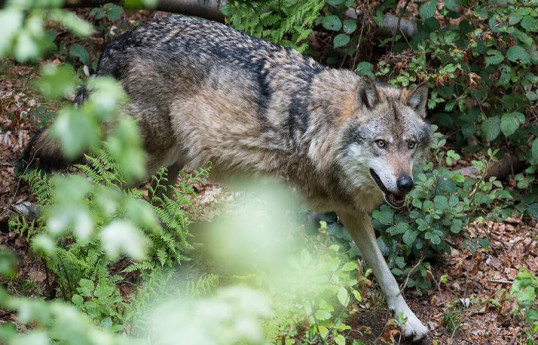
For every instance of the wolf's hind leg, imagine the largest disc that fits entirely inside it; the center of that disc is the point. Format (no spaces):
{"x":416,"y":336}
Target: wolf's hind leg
{"x":360,"y":228}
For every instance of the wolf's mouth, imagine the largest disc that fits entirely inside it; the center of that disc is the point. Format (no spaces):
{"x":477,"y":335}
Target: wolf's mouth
{"x":394,"y":200}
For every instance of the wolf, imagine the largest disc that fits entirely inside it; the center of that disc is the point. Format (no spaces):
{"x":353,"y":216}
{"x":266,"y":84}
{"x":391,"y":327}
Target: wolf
{"x":203,"y":92}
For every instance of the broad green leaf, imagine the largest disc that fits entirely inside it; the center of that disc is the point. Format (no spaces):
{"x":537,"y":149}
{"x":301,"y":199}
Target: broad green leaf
{"x":400,"y":228}
{"x":428,"y":9}
{"x":453,"y":5}
{"x":56,"y":81}
{"x":529,"y":23}
{"x":12,"y":20}
{"x":514,"y":19}
{"x":339,"y":339}
{"x":76,"y":131}
{"x":349,"y":266}
{"x":26,"y":47}
{"x":332,"y":23}
{"x":141,"y":213}
{"x":323,"y":331}
{"x":77,"y":300}
{"x":455,"y":227}
{"x":341,"y":40}
{"x":385,"y":215}
{"x":534,"y":149}
{"x":125,"y":148}
{"x":441,"y":202}
{"x":343,"y":296}
{"x":350,"y":26}
{"x":113,"y":11}
{"x":121,"y":237}
{"x":71,"y":21}
{"x":506,"y":74}
{"x":518,"y":54}
{"x":150,"y":3}
{"x":533,"y":209}
{"x":365,"y":68}
{"x":106,"y":96}
{"x":322,"y":315}
{"x":31,"y":337}
{"x":523,"y":37}
{"x":491,"y":128}
{"x":409,"y":237}
{"x":78,"y":51}
{"x":357,"y":295}
{"x":510,"y":122}
{"x":494,"y":57}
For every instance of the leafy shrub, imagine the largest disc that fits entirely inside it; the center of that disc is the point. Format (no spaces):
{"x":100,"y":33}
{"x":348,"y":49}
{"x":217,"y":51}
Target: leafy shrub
{"x":525,"y":290}
{"x":479,"y":60}
{"x":81,"y":267}
{"x":286,"y":22}
{"x":441,"y":205}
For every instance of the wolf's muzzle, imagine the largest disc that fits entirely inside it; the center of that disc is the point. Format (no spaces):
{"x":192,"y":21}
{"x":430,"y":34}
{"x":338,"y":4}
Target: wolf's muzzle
{"x":395,"y":200}
{"x":405,"y":183}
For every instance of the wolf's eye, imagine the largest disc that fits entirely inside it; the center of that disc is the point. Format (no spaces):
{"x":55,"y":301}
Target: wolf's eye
{"x":381,"y":143}
{"x":411,"y":144}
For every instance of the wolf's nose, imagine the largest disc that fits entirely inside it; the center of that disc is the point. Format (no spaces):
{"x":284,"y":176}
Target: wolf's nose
{"x":405,"y":183}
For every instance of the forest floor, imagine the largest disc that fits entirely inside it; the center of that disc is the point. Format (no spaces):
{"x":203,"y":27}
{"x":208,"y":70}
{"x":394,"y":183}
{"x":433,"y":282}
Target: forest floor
{"x":473,"y":306}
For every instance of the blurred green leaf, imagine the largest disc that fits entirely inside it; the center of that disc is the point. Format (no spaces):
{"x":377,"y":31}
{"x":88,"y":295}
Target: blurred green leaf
{"x":78,"y":51}
{"x":350,"y":26}
{"x":453,"y":5}
{"x":72,"y":22}
{"x":518,"y":54}
{"x":343,"y":296}
{"x":494,"y":57}
{"x":122,"y":237}
{"x":365,"y":68}
{"x":491,"y":128}
{"x":409,"y":237}
{"x":57,"y":81}
{"x":12,"y":22}
{"x":510,"y":122}
{"x":427,"y":10}
{"x":322,"y":315}
{"x":33,"y":337}
{"x":332,"y":23}
{"x":341,"y":40}
{"x":113,"y":11}
{"x":76,"y":131}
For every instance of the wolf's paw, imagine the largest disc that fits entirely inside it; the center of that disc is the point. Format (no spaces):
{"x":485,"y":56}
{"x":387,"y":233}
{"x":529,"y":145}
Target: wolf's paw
{"x":412,"y":328}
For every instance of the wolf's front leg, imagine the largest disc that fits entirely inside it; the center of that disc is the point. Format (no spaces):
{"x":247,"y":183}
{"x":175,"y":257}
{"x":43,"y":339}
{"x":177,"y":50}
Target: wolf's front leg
{"x":360,"y":229}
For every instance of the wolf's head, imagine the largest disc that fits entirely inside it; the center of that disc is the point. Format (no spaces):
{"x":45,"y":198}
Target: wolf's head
{"x":385,"y":137}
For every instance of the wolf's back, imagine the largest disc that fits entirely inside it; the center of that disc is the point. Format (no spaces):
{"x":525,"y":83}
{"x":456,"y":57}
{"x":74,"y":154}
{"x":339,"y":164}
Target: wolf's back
{"x":161,"y":62}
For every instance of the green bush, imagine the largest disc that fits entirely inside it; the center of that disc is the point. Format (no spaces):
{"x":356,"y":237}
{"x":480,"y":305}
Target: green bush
{"x":441,"y":205}
{"x":525,"y":290}
{"x":479,"y":59}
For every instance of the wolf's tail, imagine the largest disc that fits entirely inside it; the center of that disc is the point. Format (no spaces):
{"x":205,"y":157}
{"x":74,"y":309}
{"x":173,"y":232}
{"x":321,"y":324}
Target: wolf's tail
{"x":43,"y":151}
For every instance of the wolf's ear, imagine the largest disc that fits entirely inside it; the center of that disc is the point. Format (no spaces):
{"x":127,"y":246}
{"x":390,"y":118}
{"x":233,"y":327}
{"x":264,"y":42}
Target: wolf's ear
{"x":417,"y":99}
{"x":367,"y":93}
